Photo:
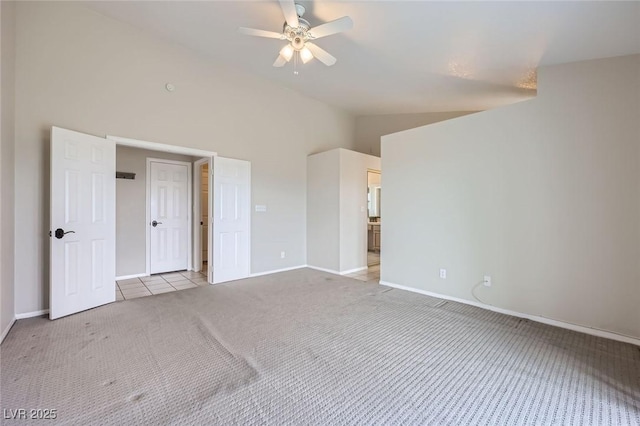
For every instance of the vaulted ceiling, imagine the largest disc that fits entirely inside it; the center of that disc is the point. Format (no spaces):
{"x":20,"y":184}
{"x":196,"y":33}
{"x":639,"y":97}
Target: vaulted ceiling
{"x":402,"y":56}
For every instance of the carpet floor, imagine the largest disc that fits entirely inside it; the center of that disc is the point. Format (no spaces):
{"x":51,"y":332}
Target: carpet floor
{"x":307,"y":347}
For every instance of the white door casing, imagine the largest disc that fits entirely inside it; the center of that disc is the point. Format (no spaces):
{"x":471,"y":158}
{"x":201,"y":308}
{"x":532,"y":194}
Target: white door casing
{"x":169,"y":215}
{"x":231,"y":219}
{"x":82,"y":270}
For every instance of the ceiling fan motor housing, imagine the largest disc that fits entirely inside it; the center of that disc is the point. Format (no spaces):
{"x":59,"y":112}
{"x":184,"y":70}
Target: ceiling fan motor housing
{"x":298,"y":36}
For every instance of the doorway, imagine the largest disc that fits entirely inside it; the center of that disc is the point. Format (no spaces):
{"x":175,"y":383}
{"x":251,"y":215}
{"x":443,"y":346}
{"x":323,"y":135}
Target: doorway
{"x":84,"y":241}
{"x":374,"y":222}
{"x":373,"y":228}
{"x":202,"y":220}
{"x":204,"y":214}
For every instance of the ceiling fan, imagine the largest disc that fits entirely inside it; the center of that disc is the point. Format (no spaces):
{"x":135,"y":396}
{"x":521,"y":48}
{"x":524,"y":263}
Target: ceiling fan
{"x":299,"y":34}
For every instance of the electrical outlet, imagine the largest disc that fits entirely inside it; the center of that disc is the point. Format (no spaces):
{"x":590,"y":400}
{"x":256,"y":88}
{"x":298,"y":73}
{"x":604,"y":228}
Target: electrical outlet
{"x":282,"y":255}
{"x":487,"y":281}
{"x":443,"y":274}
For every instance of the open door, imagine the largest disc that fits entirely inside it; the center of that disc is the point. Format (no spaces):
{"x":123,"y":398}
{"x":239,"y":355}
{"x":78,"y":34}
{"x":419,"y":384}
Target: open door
{"x":83,"y":226}
{"x":231,"y":220}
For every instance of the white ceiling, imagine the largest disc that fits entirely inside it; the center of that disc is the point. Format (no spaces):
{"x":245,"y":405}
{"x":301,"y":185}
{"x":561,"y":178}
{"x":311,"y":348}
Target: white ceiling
{"x":402,"y":56}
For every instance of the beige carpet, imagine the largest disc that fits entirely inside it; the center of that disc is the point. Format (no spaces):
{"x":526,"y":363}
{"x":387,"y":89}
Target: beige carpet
{"x":306,"y":347}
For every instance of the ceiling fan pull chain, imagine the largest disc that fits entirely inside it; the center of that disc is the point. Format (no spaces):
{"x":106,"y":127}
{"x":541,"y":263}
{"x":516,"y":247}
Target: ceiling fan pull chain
{"x":295,"y":62}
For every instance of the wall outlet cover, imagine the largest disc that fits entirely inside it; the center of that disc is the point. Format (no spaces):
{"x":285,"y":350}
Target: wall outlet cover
{"x":443,"y":273}
{"x":487,"y":281}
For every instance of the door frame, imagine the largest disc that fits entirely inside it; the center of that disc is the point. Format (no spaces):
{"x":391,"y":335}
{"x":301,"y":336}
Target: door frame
{"x":174,"y":149}
{"x":148,"y":211}
{"x":197,"y":213}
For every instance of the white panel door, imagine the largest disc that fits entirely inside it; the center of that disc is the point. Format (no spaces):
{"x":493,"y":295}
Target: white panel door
{"x":83,"y":224}
{"x":231,"y":220}
{"x":169,"y":216}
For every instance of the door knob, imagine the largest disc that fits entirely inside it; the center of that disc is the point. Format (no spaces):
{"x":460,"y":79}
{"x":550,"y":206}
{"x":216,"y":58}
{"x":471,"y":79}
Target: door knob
{"x":59,"y":233}
{"x":155,"y":223}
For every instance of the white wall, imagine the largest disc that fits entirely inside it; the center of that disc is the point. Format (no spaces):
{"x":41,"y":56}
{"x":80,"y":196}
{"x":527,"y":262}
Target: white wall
{"x":323,"y":210}
{"x":80,"y":70}
{"x":336,"y":209}
{"x":370,"y":128}
{"x":353,"y":208}
{"x":543,"y":195}
{"x":7,"y":133}
{"x":131,"y":207}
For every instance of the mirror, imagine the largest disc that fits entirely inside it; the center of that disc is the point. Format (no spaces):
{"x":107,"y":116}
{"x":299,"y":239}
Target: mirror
{"x":373,"y":194}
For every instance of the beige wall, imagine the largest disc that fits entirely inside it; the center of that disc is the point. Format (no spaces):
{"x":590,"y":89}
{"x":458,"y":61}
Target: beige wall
{"x":323,"y":210}
{"x":336,"y":209}
{"x":7,"y":64}
{"x":370,"y":128}
{"x":131,"y":208}
{"x":80,"y":70}
{"x":544,"y":196}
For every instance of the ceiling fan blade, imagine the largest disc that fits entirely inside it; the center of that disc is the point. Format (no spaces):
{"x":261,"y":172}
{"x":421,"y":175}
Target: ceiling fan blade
{"x":260,"y":33}
{"x":290,"y":13}
{"x":321,"y":54}
{"x":341,"y":24}
{"x":280,"y":61}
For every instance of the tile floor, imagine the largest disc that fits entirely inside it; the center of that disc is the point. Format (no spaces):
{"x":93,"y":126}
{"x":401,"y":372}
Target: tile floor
{"x":373,"y":258}
{"x":157,"y":284}
{"x":372,"y":273}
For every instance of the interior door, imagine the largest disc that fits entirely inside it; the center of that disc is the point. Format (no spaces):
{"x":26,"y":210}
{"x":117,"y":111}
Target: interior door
{"x":83,"y":225}
{"x":169,"y":216}
{"x":231,"y":219}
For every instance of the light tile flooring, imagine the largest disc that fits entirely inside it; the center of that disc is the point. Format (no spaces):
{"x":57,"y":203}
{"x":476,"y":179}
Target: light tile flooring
{"x":160,"y":283}
{"x":372,"y":273}
{"x":373,"y":258}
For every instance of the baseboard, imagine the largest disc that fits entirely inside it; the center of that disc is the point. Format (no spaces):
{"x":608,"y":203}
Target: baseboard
{"x":275,"y":271}
{"x":128,"y":277}
{"x":32,"y":314}
{"x":317,"y":268}
{"x":6,"y":330}
{"x":331,"y":271}
{"x":566,"y":325}
{"x":353,"y":271}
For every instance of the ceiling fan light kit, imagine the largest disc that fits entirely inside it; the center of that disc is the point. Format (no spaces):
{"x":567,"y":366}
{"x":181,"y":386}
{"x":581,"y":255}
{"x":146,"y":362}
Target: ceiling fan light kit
{"x":305,"y":55}
{"x":287,"y":52}
{"x":299,"y":33}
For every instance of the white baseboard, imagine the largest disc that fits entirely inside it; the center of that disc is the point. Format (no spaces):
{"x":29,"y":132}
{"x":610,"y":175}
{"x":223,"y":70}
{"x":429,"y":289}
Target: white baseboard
{"x":275,"y":271}
{"x":353,"y":271}
{"x":567,"y":325}
{"x":128,"y":277}
{"x":32,"y":314}
{"x":6,"y":330}
{"x":317,"y":268}
{"x":331,"y":271}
